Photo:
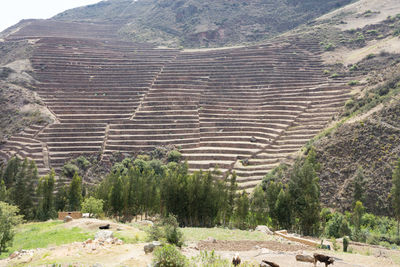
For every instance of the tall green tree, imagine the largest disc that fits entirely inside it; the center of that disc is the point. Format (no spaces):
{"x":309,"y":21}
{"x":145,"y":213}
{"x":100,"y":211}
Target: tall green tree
{"x":46,"y":199}
{"x":359,"y":186}
{"x":116,"y":197}
{"x":8,"y":220}
{"x":395,"y":193}
{"x":3,"y":191}
{"x":61,"y":198}
{"x":10,"y":172}
{"x":283,"y":210}
{"x":304,"y":192}
{"x":358,"y":212}
{"x":258,"y":207}
{"x":242,"y":210}
{"x":75,"y":193}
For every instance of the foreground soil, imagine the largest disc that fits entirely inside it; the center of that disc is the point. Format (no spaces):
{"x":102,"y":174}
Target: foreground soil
{"x":275,"y":249}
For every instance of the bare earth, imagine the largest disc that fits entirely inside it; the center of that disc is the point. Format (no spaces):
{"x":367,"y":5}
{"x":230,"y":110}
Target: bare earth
{"x":278,"y":250}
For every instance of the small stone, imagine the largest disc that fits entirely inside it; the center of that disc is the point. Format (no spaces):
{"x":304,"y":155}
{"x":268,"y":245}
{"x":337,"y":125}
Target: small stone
{"x":264,"y":229}
{"x":211,"y":239}
{"x":14,"y":255}
{"x":103,"y":235}
{"x":68,"y":219}
{"x":148,"y":248}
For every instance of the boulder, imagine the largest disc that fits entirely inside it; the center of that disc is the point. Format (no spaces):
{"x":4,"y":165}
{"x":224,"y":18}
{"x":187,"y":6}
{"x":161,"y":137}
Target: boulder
{"x":103,"y":235}
{"x":68,"y":219}
{"x":211,"y":239}
{"x":150,"y":247}
{"x":14,"y":254}
{"x":146,"y":223}
{"x":264,"y":229}
{"x":305,"y":258}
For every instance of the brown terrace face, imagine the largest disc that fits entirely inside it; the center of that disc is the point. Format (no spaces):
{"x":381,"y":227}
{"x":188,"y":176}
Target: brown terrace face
{"x":259,"y":103}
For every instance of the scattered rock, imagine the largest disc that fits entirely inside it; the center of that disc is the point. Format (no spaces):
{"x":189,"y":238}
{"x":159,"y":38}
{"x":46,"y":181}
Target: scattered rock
{"x":104,"y":235}
{"x":253,"y":139}
{"x":305,"y":258}
{"x":148,"y":248}
{"x":264,"y":229}
{"x":14,"y":255}
{"x":264,"y":251}
{"x":211,"y":239}
{"x":146,"y":223}
{"x":68,"y":219}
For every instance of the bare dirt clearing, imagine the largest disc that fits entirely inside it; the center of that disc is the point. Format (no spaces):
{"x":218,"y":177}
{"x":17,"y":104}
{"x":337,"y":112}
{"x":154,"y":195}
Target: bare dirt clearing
{"x":364,"y":12}
{"x":269,"y":247}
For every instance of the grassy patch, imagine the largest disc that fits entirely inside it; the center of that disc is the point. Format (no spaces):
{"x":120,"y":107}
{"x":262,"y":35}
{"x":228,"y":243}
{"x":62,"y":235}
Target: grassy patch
{"x":196,"y":234}
{"x":131,"y":236}
{"x":42,"y":235}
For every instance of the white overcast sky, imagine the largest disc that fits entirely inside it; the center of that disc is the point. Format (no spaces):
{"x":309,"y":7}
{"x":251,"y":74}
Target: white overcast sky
{"x":12,"y":11}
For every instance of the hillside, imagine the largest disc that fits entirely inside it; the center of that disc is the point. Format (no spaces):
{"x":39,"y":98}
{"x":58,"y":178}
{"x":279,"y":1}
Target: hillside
{"x":361,"y":45}
{"x":244,"y":109}
{"x":206,"y":23}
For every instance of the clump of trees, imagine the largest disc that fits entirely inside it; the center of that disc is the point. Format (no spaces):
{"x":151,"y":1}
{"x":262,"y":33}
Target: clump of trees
{"x":9,"y":218}
{"x":288,"y":198}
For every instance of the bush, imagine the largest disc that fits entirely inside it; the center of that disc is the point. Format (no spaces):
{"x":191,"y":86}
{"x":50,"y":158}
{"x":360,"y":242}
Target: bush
{"x":345,"y":244}
{"x":167,"y":256}
{"x":334,"y":244}
{"x":168,"y":230}
{"x":82,"y":163}
{"x":210,"y":259}
{"x":174,"y":156}
{"x":338,"y":226}
{"x":353,"y":82}
{"x":92,"y":206}
{"x":70,"y":169}
{"x":8,"y":220}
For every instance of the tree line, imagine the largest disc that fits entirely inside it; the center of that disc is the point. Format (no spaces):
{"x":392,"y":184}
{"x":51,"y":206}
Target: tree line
{"x":288,"y":198}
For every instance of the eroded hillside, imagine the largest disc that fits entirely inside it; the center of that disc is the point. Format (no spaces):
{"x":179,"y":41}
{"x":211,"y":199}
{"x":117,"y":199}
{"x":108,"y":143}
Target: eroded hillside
{"x":201,"y":23}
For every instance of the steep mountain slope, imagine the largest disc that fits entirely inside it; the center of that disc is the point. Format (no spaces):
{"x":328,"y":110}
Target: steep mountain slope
{"x":201,"y":23}
{"x":362,"y":46}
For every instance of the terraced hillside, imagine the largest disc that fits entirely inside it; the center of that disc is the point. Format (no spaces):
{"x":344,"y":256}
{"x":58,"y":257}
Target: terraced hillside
{"x":243,"y":109}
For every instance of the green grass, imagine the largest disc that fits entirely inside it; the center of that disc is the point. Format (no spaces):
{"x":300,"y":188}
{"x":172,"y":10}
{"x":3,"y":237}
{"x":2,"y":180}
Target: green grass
{"x":45,"y":234}
{"x":131,"y":236}
{"x":196,"y":234}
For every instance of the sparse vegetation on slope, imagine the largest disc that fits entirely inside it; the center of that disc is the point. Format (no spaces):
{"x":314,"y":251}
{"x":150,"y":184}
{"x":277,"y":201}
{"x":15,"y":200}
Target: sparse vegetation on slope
{"x":202,"y":23}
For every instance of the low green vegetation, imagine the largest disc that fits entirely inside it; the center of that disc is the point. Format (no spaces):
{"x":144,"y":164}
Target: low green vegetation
{"x":221,"y":233}
{"x":45,"y":234}
{"x":372,"y":98}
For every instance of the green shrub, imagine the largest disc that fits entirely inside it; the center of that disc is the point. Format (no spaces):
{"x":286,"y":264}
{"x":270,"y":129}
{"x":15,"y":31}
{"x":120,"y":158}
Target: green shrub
{"x":8,"y":220}
{"x":345,"y":244}
{"x":174,"y":156}
{"x":169,"y":256}
{"x":210,"y":259}
{"x":82,"y":163}
{"x":370,"y":56}
{"x":70,"y":169}
{"x":337,"y":226}
{"x":92,"y":206}
{"x":354,"y":67}
{"x":168,"y":230}
{"x":353,"y":82}
{"x":334,"y":244}
{"x":349,"y":104}
{"x":329,"y":47}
